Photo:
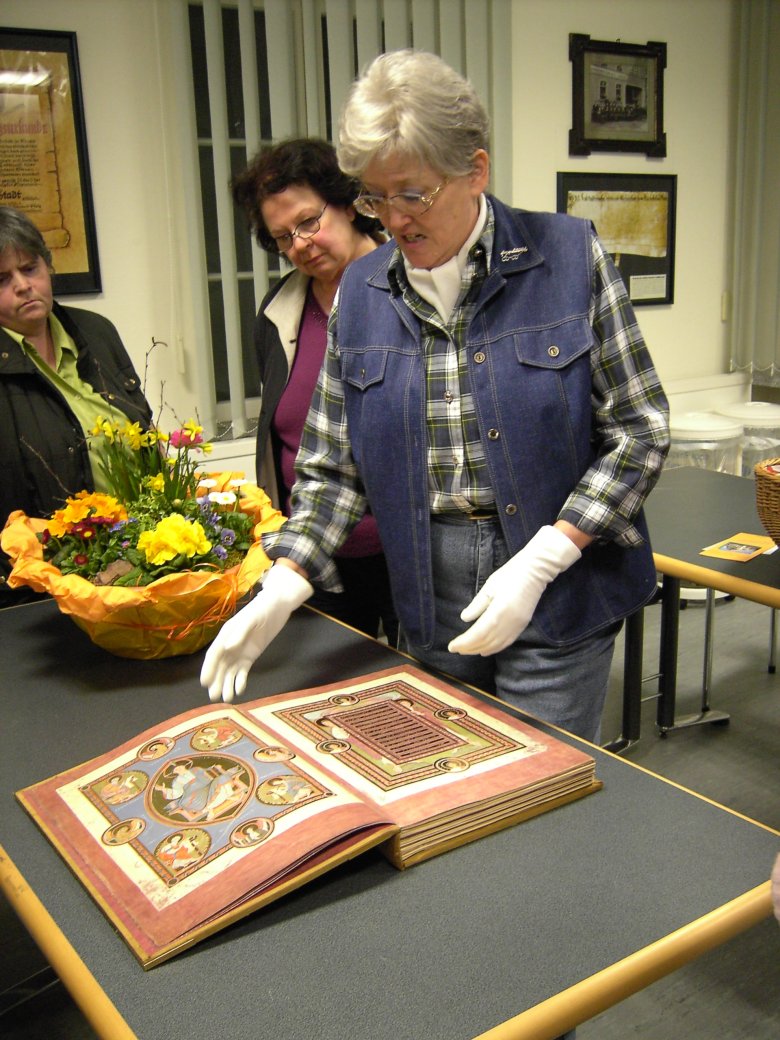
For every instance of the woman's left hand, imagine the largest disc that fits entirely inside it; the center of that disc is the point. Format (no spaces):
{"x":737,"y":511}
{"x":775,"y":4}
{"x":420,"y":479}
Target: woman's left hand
{"x":506,"y":602}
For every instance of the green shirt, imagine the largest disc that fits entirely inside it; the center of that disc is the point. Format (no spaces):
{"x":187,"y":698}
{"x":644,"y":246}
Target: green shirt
{"x":80,"y":396}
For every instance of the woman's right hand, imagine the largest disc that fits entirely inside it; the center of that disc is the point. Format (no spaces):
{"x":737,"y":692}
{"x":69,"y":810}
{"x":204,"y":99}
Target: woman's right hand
{"x":243,"y":638}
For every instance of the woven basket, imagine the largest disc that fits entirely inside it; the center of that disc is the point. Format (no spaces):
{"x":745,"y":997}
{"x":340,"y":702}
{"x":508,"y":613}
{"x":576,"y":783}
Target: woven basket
{"x":767,"y":475}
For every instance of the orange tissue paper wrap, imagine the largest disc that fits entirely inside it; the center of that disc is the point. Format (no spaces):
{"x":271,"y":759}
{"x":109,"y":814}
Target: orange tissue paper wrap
{"x":177,"y":614}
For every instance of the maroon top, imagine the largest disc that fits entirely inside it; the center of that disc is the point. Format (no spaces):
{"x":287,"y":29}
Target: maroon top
{"x":291,"y":411}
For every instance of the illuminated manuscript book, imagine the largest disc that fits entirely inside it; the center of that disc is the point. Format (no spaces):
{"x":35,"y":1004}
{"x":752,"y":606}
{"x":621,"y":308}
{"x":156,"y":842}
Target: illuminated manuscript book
{"x":220,"y":810}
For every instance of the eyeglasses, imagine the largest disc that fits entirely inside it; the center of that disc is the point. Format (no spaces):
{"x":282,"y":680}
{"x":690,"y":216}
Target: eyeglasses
{"x":306,"y":229}
{"x":410,"y":203}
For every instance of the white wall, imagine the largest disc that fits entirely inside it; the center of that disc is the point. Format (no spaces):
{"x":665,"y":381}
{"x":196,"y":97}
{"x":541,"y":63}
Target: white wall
{"x":131,"y":162}
{"x":687,"y":338}
{"x":147,"y":276}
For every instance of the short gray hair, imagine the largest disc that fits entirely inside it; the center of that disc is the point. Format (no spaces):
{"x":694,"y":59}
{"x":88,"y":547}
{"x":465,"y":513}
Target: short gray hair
{"x":414,"y":104}
{"x":18,"y":232}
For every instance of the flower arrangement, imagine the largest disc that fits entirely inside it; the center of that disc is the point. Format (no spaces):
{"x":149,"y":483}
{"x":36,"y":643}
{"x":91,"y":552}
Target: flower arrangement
{"x":153,"y":566}
{"x":163,"y":516}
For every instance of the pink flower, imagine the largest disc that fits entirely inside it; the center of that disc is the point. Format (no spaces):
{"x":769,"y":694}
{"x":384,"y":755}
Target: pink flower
{"x":185,"y":438}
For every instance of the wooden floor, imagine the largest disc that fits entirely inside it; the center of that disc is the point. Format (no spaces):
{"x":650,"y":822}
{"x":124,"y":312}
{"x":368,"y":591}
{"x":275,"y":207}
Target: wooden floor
{"x":732,"y":993}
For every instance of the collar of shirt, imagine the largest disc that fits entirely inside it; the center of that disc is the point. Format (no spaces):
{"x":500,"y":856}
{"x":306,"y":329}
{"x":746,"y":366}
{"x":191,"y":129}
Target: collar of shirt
{"x":441,"y":286}
{"x":474,"y":256}
{"x":62,"y":342}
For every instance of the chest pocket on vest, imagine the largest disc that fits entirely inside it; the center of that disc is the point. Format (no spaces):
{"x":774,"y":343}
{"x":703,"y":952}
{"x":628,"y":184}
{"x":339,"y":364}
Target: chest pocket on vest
{"x":555,"y":347}
{"x":363,"y":369}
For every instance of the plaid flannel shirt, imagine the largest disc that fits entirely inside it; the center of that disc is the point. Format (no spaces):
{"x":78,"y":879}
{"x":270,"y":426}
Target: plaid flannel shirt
{"x":630,"y":424}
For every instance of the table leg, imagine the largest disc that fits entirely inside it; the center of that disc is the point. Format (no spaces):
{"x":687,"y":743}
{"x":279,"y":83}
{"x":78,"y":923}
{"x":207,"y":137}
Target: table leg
{"x":667,"y":664}
{"x":632,"y":683}
{"x":667,"y":683}
{"x":772,"y":642}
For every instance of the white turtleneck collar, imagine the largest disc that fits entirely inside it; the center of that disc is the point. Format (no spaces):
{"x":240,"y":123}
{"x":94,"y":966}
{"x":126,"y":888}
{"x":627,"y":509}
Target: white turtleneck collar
{"x":440,"y":286}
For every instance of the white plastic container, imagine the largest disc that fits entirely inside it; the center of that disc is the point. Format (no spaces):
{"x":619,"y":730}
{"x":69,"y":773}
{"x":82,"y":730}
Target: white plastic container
{"x":761,"y":431}
{"x":705,"y":440}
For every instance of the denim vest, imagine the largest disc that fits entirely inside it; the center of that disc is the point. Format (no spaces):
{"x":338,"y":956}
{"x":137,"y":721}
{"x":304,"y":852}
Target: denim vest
{"x":528,"y":349}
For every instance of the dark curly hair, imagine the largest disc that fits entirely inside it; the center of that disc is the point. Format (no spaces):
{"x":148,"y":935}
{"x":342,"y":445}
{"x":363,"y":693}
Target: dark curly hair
{"x":306,"y":161}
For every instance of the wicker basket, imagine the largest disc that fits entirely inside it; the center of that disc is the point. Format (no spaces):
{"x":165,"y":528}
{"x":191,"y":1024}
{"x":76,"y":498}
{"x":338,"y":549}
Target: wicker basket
{"x":767,"y":475}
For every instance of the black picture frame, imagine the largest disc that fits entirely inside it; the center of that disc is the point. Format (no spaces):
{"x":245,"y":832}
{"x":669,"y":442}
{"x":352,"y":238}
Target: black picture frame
{"x":634,"y":215}
{"x":617,"y":96}
{"x":44,"y":168}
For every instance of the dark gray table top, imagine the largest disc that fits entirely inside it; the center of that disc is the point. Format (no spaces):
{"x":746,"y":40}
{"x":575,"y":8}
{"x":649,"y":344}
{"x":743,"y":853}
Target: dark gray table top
{"x":692,"y":508}
{"x":449,"y":948}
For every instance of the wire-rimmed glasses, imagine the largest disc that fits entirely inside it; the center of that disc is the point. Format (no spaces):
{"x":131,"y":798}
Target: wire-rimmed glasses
{"x":410,"y":203}
{"x":306,"y":229}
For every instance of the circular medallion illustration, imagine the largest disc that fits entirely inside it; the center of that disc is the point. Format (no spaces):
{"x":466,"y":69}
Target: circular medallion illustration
{"x":155,"y":748}
{"x":200,"y":789}
{"x":215,"y":735}
{"x":343,"y":698}
{"x":252,"y":832}
{"x":287,"y":789}
{"x":273,"y":754}
{"x":333,"y":747}
{"x":450,"y":714}
{"x":451,"y":765}
{"x":121,"y":787}
{"x":121,"y":833}
{"x":183,"y":849}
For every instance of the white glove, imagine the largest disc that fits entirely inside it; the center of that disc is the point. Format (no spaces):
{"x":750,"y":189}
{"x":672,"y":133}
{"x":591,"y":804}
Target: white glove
{"x":243,"y":638}
{"x":506,"y":602}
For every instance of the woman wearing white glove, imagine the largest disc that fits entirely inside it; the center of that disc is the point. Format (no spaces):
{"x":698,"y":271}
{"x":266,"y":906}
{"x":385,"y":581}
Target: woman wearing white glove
{"x":243,"y":638}
{"x":487,"y":393}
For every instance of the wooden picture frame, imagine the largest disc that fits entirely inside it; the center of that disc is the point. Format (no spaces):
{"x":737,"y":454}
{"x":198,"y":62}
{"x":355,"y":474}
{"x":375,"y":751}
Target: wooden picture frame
{"x":634,"y":215}
{"x":44,"y":165}
{"x":617,"y":96}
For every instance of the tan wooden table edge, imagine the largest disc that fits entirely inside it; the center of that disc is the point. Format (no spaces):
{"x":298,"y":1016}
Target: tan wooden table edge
{"x":728,"y":583}
{"x":545,"y":1021}
{"x":620,"y":980}
{"x":76,"y":976}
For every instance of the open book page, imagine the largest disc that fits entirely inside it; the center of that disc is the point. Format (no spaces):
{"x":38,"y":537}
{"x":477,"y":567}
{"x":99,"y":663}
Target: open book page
{"x":196,"y":819}
{"x":434,"y":759}
{"x":214,"y":813}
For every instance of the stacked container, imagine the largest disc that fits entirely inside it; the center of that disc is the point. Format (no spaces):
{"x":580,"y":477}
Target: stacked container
{"x":705,"y":440}
{"x":761,"y":431}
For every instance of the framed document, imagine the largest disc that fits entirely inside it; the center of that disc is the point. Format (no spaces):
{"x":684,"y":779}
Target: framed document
{"x":44,"y":168}
{"x":617,"y":96}
{"x":634,"y":215}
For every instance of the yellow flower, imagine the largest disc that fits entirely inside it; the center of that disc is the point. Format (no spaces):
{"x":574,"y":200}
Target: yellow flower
{"x":173,"y":535}
{"x":194,"y":430}
{"x":105,"y":428}
{"x":83,"y":505}
{"x":133,"y":435}
{"x":155,"y":483}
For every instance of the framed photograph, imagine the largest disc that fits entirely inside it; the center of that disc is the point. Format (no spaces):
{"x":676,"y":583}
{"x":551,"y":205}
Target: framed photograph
{"x":617,"y":96}
{"x":634,"y":216}
{"x":44,"y":168}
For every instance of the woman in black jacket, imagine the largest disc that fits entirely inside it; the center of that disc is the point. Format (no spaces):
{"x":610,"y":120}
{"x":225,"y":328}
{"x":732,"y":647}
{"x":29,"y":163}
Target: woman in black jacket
{"x":60,"y":367}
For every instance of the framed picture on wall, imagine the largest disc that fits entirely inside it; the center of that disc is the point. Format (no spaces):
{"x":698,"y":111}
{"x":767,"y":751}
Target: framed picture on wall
{"x":44,"y":167}
{"x":634,"y":215}
{"x":617,"y":96}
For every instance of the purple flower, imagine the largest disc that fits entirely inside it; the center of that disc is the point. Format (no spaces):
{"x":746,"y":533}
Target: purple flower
{"x":220,"y":552}
{"x":228,"y":536}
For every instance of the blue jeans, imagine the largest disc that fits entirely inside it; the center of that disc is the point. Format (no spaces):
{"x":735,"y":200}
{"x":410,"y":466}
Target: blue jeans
{"x":564,"y":685}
